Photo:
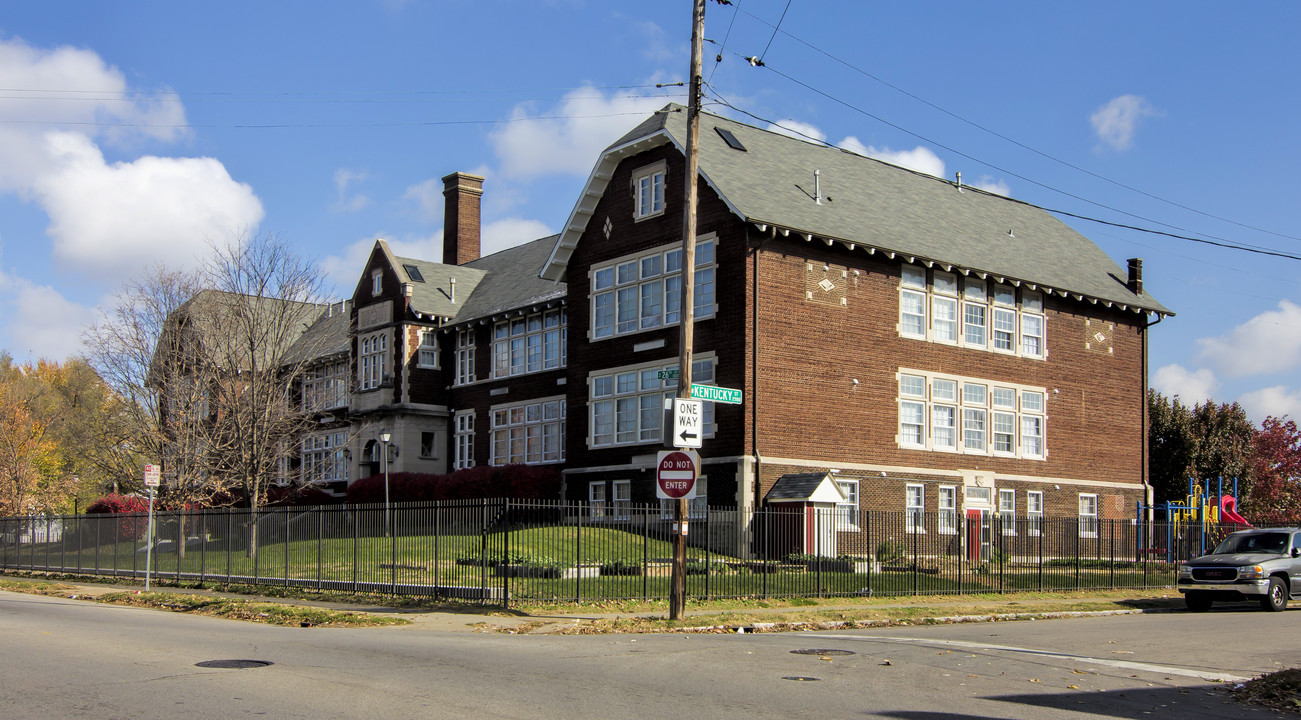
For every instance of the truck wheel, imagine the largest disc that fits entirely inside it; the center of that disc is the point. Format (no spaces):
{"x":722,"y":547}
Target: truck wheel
{"x":1197,"y":602}
{"x":1276,"y":600}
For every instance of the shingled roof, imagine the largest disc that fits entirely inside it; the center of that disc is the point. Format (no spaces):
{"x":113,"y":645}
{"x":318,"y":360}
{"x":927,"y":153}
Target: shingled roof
{"x":868,"y":205}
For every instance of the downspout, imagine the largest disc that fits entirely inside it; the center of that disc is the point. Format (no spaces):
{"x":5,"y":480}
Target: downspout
{"x":1149,"y":494}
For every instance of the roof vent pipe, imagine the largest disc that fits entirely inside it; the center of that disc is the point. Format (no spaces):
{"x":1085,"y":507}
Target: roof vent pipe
{"x":817,"y":186}
{"x":1135,"y":283}
{"x":959,"y":176}
{"x":451,"y":293}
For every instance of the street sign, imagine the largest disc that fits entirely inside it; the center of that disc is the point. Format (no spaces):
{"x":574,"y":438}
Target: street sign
{"x":675,"y":474}
{"x":667,"y":375}
{"x":153,"y":476}
{"x":716,"y":394}
{"x":688,"y":423}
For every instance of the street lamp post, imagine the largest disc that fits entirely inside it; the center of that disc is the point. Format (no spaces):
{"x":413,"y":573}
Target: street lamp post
{"x":384,"y":437}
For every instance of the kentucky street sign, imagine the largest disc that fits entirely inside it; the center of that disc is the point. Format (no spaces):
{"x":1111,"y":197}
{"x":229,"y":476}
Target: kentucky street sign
{"x":714,"y":393}
{"x":675,"y":474}
{"x":688,"y":423}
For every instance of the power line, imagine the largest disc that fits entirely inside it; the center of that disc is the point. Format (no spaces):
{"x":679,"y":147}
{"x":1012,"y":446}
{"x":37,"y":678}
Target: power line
{"x":775,"y":29}
{"x":269,"y":126}
{"x":1013,"y":141}
{"x":375,"y":95}
{"x":1218,"y":242}
{"x":1001,"y":169}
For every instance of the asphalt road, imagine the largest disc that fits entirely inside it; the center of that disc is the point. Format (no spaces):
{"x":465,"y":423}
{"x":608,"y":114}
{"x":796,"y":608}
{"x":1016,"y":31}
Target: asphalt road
{"x":63,"y":658}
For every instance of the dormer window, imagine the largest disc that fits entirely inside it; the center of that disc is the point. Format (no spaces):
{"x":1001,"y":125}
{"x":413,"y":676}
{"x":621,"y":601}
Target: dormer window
{"x":648,"y":188}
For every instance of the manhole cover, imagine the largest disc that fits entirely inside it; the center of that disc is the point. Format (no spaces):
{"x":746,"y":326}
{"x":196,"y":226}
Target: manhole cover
{"x":798,"y":678}
{"x":232,"y":664}
{"x":820,"y":651}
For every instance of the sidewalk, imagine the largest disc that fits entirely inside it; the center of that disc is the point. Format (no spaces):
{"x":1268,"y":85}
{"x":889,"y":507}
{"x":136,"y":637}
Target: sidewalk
{"x":475,"y":618}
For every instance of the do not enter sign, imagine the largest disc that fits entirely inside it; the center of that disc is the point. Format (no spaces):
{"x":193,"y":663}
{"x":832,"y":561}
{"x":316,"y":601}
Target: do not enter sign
{"x":675,"y":474}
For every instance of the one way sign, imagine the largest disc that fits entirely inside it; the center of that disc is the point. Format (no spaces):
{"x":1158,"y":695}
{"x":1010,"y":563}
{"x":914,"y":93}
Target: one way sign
{"x":688,"y":422}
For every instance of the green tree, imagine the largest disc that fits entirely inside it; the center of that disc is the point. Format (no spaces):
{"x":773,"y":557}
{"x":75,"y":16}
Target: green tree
{"x":1208,"y":441}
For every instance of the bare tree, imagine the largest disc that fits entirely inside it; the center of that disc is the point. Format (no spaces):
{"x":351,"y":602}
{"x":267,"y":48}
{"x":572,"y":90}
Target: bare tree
{"x":261,"y":297}
{"x":140,"y":351}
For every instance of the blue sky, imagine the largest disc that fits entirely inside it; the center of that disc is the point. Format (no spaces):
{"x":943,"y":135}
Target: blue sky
{"x":136,"y":133}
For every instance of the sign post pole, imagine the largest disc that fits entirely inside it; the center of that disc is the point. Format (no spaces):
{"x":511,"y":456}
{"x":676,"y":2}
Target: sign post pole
{"x":152,"y":480}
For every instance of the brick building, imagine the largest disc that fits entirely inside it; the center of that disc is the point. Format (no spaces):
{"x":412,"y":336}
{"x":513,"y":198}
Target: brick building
{"x":931,"y":346}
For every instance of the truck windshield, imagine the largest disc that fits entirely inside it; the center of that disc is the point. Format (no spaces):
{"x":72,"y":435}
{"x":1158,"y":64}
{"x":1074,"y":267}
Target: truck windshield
{"x":1275,"y":543}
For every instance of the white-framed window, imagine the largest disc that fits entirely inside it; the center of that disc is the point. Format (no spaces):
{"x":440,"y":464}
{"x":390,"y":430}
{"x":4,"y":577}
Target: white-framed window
{"x":643,"y":292}
{"x":596,"y":498}
{"x":465,"y":356}
{"x":373,"y":362}
{"x":427,"y":354}
{"x":376,"y":282}
{"x":325,"y":387}
{"x":1032,"y":325}
{"x":622,"y":505}
{"x":322,"y":459}
{"x":463,"y":454}
{"x":915,"y":508}
{"x":847,"y":509}
{"x":648,"y":187}
{"x":1088,"y":515}
{"x":1007,"y":511}
{"x":428,"y":444}
{"x":971,"y":312}
{"x":1034,"y":512}
{"x":946,"y":502}
{"x":950,"y":413}
{"x":529,"y":344}
{"x":627,"y":404}
{"x":528,"y":433}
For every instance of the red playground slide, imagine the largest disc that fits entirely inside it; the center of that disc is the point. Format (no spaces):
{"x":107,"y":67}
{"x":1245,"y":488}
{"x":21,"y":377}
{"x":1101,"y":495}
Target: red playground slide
{"x":1229,"y":511}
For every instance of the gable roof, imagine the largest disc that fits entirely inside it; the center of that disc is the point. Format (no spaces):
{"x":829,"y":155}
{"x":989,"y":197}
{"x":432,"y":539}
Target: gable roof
{"x":815,"y":487}
{"x":869,"y":205}
{"x":511,"y":281}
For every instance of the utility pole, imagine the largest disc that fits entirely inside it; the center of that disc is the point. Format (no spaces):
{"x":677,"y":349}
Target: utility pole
{"x":686,"y":334}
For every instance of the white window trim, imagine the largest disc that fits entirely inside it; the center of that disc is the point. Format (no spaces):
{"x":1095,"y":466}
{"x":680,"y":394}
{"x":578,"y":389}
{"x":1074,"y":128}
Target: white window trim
{"x":507,"y":362}
{"x":946,"y":522}
{"x":959,"y":402}
{"x":597,"y":499}
{"x":463,"y":444}
{"x":323,"y":452}
{"x":703,"y":309}
{"x":914,"y":516}
{"x":1007,"y":516}
{"x":506,"y":420}
{"x":1088,"y":522}
{"x":1034,"y":518}
{"x":464,"y":356}
{"x":930,"y":298}
{"x":666,"y":390}
{"x":376,"y":282}
{"x":847,"y":510}
{"x":372,"y":360}
{"x":648,"y":173}
{"x":427,"y":350}
{"x":620,"y":507}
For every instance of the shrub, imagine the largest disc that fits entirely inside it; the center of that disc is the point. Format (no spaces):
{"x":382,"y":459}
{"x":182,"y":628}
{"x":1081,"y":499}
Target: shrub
{"x":621,"y":567}
{"x":500,"y":481}
{"x":133,"y":527}
{"x":889,"y":550}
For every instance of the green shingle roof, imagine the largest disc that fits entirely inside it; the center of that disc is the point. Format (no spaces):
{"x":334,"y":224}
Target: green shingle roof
{"x":867,"y":203}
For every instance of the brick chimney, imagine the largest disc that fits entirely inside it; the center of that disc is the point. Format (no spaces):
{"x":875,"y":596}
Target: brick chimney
{"x":1135,"y":283}
{"x":461,"y":193}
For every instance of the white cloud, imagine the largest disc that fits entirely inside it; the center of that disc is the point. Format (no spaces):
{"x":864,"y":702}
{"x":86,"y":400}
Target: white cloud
{"x":919,"y":158}
{"x":1277,"y":401}
{"x":657,"y":48}
{"x":569,"y":138}
{"x":1269,"y":342}
{"x":798,"y":130}
{"x":992,"y":185}
{"x":1115,"y":122}
{"x":343,"y":179}
{"x":345,"y":270}
{"x":1191,"y":386}
{"x":41,"y":322}
{"x":427,"y":196}
{"x":109,"y":219}
{"x":509,"y":232}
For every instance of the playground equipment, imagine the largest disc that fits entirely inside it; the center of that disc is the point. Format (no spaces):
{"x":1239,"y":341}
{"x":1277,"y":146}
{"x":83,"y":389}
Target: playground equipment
{"x":1201,"y":520}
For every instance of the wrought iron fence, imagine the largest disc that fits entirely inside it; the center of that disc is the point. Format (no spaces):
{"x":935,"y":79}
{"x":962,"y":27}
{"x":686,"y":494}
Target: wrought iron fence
{"x":503,"y":551}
